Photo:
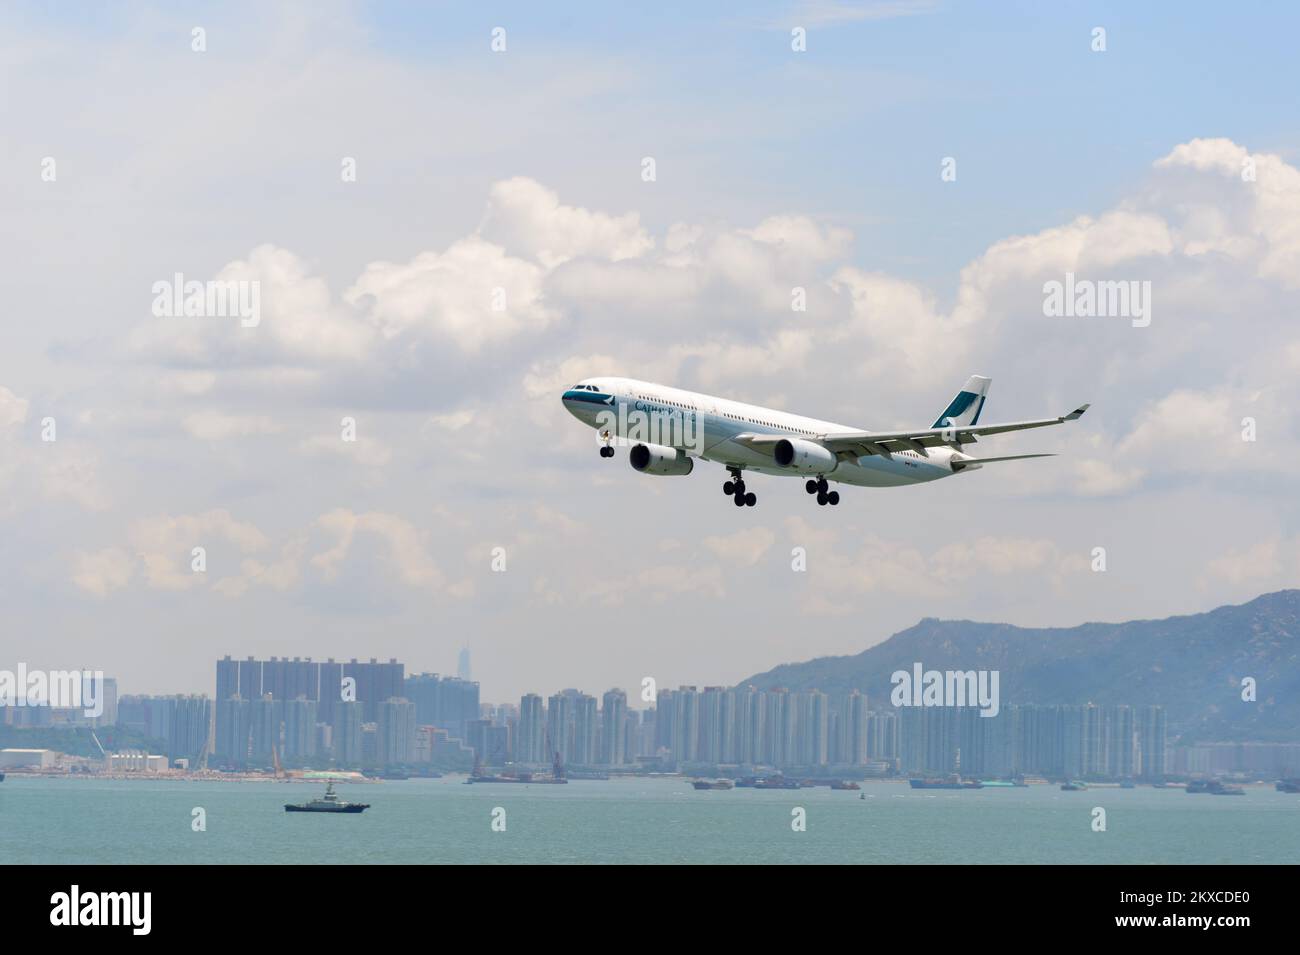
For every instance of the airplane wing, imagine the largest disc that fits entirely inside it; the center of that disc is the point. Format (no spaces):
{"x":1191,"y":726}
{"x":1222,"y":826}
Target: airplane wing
{"x":865,"y":443}
{"x":961,"y":465}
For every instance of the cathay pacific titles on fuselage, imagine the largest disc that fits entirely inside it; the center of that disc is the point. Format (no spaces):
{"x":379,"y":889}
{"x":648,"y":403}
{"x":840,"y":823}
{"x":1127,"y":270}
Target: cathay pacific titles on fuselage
{"x":667,"y":428}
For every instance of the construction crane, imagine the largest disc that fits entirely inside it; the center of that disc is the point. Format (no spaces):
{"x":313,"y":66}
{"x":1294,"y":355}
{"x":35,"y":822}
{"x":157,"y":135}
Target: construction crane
{"x":108,"y":763}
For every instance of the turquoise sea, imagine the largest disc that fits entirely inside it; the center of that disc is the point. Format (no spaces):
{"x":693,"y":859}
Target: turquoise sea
{"x":660,"y":820}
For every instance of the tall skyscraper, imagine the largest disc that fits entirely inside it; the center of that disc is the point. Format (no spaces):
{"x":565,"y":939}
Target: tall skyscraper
{"x":299,"y":729}
{"x":686,"y":724}
{"x":614,"y":749}
{"x":530,"y":743}
{"x":586,"y":731}
{"x":559,"y":726}
{"x":227,"y":678}
{"x":712,"y":729}
{"x":1151,"y":730}
{"x":396,"y":731}
{"x":234,"y":730}
{"x":346,"y":737}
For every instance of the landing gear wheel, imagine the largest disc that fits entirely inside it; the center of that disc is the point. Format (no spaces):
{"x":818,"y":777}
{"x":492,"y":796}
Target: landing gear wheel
{"x":729,"y":488}
{"x":822,"y":498}
{"x":606,"y":452}
{"x":822,"y":485}
{"x":811,"y":487}
{"x":740,"y":500}
{"x":751,"y":499}
{"x":833,"y":497}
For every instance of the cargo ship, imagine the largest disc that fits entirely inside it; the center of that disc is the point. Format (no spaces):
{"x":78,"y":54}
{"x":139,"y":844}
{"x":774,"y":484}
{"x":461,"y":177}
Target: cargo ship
{"x":703,"y":784}
{"x":557,"y":776}
{"x":951,"y":781}
{"x":777,"y":782}
{"x":844,"y":784}
{"x":1074,"y":786}
{"x":1214,"y":787}
{"x":330,"y":802}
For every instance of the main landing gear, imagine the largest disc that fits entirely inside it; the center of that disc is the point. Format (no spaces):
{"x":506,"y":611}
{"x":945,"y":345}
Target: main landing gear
{"x":824,"y":497}
{"x":736,"y":488}
{"x":606,"y":449}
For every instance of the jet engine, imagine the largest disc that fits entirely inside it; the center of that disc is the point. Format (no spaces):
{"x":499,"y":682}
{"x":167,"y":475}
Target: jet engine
{"x":805,"y":457}
{"x":656,"y":459}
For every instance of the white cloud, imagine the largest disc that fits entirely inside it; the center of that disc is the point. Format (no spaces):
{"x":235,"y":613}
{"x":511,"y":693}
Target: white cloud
{"x":529,"y":220}
{"x":102,"y":572}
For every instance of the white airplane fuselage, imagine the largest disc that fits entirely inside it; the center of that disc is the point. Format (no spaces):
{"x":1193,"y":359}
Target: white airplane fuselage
{"x":709,"y":426}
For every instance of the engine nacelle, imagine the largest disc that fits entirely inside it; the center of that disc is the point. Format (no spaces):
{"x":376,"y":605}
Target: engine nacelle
{"x":656,"y":459}
{"x":805,"y":457}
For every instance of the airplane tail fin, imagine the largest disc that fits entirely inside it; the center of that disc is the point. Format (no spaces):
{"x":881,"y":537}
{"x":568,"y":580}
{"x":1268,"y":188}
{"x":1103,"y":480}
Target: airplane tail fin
{"x":966,"y":407}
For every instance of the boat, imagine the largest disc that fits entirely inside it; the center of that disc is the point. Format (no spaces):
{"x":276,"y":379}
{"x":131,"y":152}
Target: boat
{"x":1127,"y":784}
{"x":1283,"y":785}
{"x":1073,"y":786}
{"x":330,"y":802}
{"x":776,"y":782}
{"x":951,"y":781}
{"x":844,"y":784}
{"x":1213,"y":787}
{"x":557,"y":776}
{"x":703,"y":784}
{"x":386,"y":774}
{"x":1017,"y":783}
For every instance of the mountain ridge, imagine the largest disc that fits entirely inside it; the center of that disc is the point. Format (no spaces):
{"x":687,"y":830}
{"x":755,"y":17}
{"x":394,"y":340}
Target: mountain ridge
{"x":1192,"y":664}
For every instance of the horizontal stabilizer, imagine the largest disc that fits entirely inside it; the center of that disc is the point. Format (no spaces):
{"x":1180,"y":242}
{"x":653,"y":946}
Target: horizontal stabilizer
{"x":959,"y":465}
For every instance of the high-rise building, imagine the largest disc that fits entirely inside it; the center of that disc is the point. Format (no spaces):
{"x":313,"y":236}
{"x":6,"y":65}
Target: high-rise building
{"x":346,"y":735}
{"x":614,"y":736}
{"x":849,"y":742}
{"x":559,"y":726}
{"x":227,"y":678}
{"x":266,"y":730}
{"x":586,"y":731}
{"x":665,"y":721}
{"x":330,"y":681}
{"x":530,"y":743}
{"x":686,"y":724}
{"x":1151,"y":730}
{"x":250,"y":679}
{"x":713,"y":726}
{"x":299,"y":729}
{"x":234,"y":731}
{"x":449,"y":703}
{"x":396,"y":731}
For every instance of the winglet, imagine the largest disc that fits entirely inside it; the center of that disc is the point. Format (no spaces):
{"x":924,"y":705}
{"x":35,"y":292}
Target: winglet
{"x":1077,"y":412}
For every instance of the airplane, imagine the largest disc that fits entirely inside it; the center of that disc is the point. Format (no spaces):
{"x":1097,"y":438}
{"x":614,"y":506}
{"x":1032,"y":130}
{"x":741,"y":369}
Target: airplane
{"x":669,"y":427}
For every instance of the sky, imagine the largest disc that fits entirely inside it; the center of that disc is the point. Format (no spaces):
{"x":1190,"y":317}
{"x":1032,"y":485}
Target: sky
{"x":920,"y":169}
